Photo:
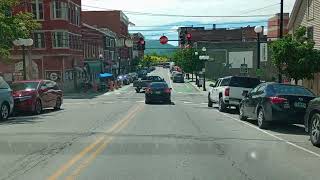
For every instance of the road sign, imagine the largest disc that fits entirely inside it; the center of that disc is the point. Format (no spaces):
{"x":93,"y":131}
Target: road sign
{"x":164,"y":40}
{"x":244,"y":69}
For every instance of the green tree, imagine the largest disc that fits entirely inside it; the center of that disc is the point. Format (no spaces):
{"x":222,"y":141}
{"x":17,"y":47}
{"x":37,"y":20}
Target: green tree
{"x":296,"y":55}
{"x":15,"y":26}
{"x":187,"y":60}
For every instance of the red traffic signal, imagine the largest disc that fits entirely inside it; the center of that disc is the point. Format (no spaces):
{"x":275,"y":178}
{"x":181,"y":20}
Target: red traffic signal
{"x":141,"y":41}
{"x":189,"y":36}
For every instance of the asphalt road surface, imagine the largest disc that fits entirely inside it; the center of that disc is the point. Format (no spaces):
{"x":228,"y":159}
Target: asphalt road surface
{"x":116,"y":136}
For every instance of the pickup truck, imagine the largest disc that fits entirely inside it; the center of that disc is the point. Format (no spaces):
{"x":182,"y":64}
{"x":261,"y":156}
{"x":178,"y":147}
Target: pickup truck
{"x":229,"y":91}
{"x":142,"y":84}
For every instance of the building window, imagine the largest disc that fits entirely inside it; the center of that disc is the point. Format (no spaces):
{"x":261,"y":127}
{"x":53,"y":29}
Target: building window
{"x":112,"y":42}
{"x":60,"y":39}
{"x":310,"y":9}
{"x":59,"y":10}
{"x":37,"y":9}
{"x":74,"y":14}
{"x":39,"y":40}
{"x":310,"y":33}
{"x":111,"y":55}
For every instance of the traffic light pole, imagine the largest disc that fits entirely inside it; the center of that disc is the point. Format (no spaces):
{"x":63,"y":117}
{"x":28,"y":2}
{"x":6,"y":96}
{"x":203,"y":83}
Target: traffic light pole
{"x":281,"y":36}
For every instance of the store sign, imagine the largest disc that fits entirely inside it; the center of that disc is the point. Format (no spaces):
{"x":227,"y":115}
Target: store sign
{"x":53,"y":75}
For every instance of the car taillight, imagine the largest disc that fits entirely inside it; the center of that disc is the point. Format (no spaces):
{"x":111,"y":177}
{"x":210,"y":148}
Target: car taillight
{"x":227,"y":92}
{"x":277,"y":100}
{"x":148,"y":90}
{"x":167,"y":90}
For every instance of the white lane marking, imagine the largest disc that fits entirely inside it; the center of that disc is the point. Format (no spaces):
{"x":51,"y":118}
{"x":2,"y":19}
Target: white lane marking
{"x":274,"y":136}
{"x":204,"y":103}
{"x":139,"y":101}
{"x":186,"y":102}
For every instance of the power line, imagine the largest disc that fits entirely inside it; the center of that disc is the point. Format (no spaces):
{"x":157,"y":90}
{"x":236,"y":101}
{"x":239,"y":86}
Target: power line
{"x":180,"y":15}
{"x":207,"y":24}
{"x":258,"y":9}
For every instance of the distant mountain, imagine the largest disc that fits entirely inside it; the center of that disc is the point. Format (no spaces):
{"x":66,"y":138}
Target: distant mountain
{"x":154,"y":46}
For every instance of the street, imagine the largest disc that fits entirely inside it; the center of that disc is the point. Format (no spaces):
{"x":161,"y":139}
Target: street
{"x":117,"y":136}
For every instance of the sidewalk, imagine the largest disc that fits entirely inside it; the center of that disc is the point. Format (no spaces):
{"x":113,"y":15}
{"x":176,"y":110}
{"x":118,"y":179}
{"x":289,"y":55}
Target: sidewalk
{"x":208,"y":82}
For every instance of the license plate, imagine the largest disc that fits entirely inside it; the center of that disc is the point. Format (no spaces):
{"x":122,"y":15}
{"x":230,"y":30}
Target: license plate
{"x":157,"y":92}
{"x":300,"y":105}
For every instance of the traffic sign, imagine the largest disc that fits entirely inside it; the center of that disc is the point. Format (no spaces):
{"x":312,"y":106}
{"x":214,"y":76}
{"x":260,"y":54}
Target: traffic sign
{"x":164,"y":40}
{"x":244,"y":69}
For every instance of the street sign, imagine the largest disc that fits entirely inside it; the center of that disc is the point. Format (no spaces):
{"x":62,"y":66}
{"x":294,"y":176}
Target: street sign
{"x":164,"y":40}
{"x":244,"y":69}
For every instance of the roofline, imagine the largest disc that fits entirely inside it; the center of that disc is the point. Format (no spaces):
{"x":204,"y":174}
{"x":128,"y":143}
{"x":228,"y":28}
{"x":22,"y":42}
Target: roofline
{"x":105,"y":31}
{"x":294,"y":13}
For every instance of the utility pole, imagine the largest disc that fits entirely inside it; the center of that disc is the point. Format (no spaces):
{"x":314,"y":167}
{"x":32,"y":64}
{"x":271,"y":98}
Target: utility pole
{"x":281,"y":36}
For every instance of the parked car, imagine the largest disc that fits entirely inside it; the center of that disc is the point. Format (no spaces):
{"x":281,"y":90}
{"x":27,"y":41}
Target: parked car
{"x":158,"y":92}
{"x":173,"y":73}
{"x":178,"y":78}
{"x":6,"y":100}
{"x":36,"y":95}
{"x":274,"y":102}
{"x":312,"y":121}
{"x":143,"y":83}
{"x":124,"y":79}
{"x":228,"y":91}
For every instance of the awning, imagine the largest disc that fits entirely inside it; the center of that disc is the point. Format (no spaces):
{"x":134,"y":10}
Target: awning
{"x":94,"y":67}
{"x":105,"y":75}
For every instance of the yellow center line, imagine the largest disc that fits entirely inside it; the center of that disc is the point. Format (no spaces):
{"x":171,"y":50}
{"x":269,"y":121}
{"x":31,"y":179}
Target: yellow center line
{"x":99,"y":150}
{"x":89,"y":148}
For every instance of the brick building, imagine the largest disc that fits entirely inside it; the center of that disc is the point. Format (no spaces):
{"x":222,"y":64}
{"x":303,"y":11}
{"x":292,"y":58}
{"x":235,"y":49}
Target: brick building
{"x":117,"y":22}
{"x":244,"y":34}
{"x":229,"y":48}
{"x":57,"y":52}
{"x":274,"y":26}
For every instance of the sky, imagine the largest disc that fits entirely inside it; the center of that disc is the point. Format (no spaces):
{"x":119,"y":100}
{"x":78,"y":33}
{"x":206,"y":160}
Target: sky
{"x":153,"y":26}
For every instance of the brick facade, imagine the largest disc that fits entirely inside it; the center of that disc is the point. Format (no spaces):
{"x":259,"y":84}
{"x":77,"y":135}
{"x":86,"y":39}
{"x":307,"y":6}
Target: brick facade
{"x":57,"y":45}
{"x":274,"y":26}
{"x":117,"y":22}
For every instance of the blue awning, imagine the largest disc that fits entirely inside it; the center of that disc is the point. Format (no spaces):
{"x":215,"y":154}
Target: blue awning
{"x":105,"y":75}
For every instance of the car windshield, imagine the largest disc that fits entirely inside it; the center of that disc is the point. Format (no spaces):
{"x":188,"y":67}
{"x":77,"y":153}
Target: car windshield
{"x":19,"y":86}
{"x":283,"y":89}
{"x":244,"y":82}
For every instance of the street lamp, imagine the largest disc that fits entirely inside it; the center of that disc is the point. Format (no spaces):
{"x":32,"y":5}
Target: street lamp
{"x":23,"y":43}
{"x":204,"y":58}
{"x":119,"y":69}
{"x":258,"y":30}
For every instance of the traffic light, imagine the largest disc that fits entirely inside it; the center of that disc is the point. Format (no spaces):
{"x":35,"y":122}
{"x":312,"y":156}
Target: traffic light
{"x":141,"y":44}
{"x":189,"y":37}
{"x":182,"y":38}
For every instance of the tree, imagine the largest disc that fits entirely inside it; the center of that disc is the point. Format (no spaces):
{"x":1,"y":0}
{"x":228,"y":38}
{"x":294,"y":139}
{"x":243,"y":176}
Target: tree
{"x":187,"y":60}
{"x":296,"y":55}
{"x":15,"y":26}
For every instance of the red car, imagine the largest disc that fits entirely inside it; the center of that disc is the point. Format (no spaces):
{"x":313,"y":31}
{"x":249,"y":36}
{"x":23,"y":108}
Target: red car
{"x":36,"y":95}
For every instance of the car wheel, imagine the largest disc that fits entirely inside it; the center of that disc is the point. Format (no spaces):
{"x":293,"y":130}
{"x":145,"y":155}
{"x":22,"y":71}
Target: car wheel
{"x":5,"y":111}
{"x":222,"y":106}
{"x":241,"y":114}
{"x":210,"y":103}
{"x":138,"y":90}
{"x":58,"y":104}
{"x":315,"y":129}
{"x":262,"y":124}
{"x":147,"y":101}
{"x":37,"y":107}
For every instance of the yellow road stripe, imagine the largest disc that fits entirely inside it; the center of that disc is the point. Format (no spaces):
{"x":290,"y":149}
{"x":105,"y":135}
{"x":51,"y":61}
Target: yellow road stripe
{"x":89,"y":148}
{"x":99,"y":150}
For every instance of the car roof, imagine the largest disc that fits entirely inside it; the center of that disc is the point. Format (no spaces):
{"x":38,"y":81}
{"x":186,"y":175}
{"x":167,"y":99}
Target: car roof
{"x":238,"y":77}
{"x":26,"y":81}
